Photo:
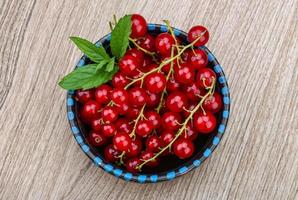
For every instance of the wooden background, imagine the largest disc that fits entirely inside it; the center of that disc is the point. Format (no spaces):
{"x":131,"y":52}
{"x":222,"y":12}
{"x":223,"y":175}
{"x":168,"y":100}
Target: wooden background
{"x":256,"y":43}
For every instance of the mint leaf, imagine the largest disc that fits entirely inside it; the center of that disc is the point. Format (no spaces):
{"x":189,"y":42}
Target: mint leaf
{"x":96,"y":54}
{"x":120,"y":35}
{"x":87,"y":77}
{"x":101,"y":65}
{"x":111,"y":65}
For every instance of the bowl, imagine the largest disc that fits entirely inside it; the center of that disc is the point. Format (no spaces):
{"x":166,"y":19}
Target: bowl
{"x":173,"y":167}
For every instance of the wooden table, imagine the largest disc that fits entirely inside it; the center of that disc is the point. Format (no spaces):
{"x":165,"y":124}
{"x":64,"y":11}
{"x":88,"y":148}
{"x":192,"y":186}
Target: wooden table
{"x":256,"y":43}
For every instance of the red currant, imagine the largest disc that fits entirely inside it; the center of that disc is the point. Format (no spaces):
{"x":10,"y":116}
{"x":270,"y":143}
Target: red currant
{"x":133,"y":112}
{"x":176,"y":101}
{"x":132,"y":164}
{"x":119,"y":80}
{"x":153,"y":143}
{"x":164,"y":43}
{"x":213,"y":102}
{"x":146,"y":155}
{"x":96,"y":124}
{"x":166,"y":68}
{"x":197,"y":31}
{"x":173,"y":85}
{"x":155,"y":82}
{"x":111,"y":154}
{"x":109,"y":114}
{"x":194,"y":92}
{"x":135,"y":149}
{"x":137,"y":96}
{"x":205,"y":77}
{"x":108,"y":130}
{"x":96,"y":139}
{"x":204,"y":123}
{"x":122,"y":141}
{"x":122,"y":108}
{"x":128,"y":64}
{"x":184,"y":74}
{"x":189,"y":108}
{"x":166,"y":137}
{"x":119,"y":96}
{"x":144,"y":128}
{"x":183,"y":148}
{"x":190,"y":132}
{"x":102,"y":94}
{"x":198,"y":59}
{"x":138,"y":54}
{"x":90,"y":109}
{"x":170,"y":121}
{"x":138,"y":26}
{"x":123,"y":125}
{"x":147,"y":42}
{"x":154,"y":118}
{"x":84,"y":96}
{"x":153,"y":99}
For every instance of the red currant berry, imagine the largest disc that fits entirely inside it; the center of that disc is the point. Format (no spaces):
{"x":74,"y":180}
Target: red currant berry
{"x":122,"y":141}
{"x":123,"y":125}
{"x":153,"y":99}
{"x":122,"y":108}
{"x":119,"y":80}
{"x":146,"y":63}
{"x":84,"y":96}
{"x":155,"y":82}
{"x":154,"y":118}
{"x":213,"y":102}
{"x":102,"y":94}
{"x":186,"y":55}
{"x":111,"y":154}
{"x":128,"y":64}
{"x":138,"y":26}
{"x":119,"y":96}
{"x":198,"y":59}
{"x":194,"y":92}
{"x":198,"y":31}
{"x":138,"y":96}
{"x":135,"y":149}
{"x":153,"y":143}
{"x":189,"y":108}
{"x":173,"y":85}
{"x":190,"y":132}
{"x":183,"y":148}
{"x":166,"y":137}
{"x":132,"y":164}
{"x":147,"y":42}
{"x":144,"y":128}
{"x":90,"y":109}
{"x":109,"y":114}
{"x":108,"y":130}
{"x":96,"y":124}
{"x":139,"y":55}
{"x":184,"y":74}
{"x":133,"y":112}
{"x":146,"y":155}
{"x":164,"y":43}
{"x":205,"y":77}
{"x":176,"y":101}
{"x":96,"y":139}
{"x":170,"y":121}
{"x":204,"y":123}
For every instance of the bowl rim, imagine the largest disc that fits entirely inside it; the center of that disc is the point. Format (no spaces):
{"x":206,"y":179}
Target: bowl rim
{"x":163,"y":176}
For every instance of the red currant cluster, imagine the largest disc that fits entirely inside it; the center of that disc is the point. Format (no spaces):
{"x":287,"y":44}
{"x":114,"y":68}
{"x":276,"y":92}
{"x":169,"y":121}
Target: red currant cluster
{"x":158,"y":102}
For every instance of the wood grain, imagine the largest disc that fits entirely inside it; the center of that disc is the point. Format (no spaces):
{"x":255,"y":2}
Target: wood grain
{"x":256,"y":43}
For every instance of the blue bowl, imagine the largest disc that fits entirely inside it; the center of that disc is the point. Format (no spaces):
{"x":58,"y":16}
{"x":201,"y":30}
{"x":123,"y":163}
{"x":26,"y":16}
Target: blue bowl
{"x":174,"y":167}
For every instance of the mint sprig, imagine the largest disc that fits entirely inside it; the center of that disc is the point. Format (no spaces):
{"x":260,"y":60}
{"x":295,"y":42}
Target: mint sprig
{"x":104,"y":66}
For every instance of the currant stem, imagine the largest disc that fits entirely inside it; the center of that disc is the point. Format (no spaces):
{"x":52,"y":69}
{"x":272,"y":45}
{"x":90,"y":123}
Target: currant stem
{"x":165,"y":62}
{"x":141,"y":48}
{"x":181,"y":130}
{"x":140,"y":116}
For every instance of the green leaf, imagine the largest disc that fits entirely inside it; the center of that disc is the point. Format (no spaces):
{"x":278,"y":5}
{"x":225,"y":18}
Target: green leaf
{"x":120,"y":36}
{"x":86,"y":77}
{"x":96,"y":54}
{"x":111,"y":65}
{"x":101,"y":65}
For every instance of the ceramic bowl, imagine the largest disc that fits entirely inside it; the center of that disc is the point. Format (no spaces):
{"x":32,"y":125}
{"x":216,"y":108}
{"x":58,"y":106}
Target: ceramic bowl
{"x":205,"y":144}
